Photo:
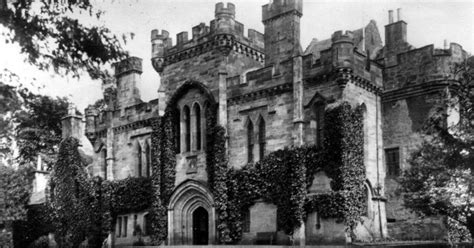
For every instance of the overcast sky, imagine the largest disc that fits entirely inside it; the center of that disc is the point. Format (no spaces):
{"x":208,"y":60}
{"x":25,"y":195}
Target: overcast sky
{"x":429,"y":22}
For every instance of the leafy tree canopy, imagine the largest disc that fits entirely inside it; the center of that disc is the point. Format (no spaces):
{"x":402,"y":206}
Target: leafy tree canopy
{"x":52,"y":39}
{"x":441,"y":177}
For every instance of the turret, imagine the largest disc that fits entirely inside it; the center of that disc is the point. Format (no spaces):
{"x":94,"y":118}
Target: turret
{"x":224,"y":21}
{"x":282,"y":29}
{"x":128,"y":74}
{"x":342,"y":49}
{"x":159,"y":44}
{"x":91,"y":114}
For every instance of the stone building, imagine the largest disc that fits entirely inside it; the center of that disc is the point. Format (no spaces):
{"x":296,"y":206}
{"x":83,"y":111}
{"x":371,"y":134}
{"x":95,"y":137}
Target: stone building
{"x":271,"y":94}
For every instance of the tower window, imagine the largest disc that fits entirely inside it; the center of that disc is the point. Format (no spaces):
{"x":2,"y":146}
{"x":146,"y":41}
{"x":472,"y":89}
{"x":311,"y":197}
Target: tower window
{"x":176,"y":120}
{"x":392,"y":160}
{"x":319,"y":118}
{"x":197,"y":116}
{"x":250,"y":141}
{"x":187,"y":128}
{"x":139,"y":157}
{"x":104,"y":156}
{"x":261,"y":137}
{"x":148,"y":159}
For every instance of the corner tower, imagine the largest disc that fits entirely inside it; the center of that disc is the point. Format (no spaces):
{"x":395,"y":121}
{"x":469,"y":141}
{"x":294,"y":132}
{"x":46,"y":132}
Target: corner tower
{"x":281,"y":19}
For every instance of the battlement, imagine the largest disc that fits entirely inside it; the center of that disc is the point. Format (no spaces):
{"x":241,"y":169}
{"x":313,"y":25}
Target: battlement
{"x":128,"y":65}
{"x":224,"y":33}
{"x":277,"y":8}
{"x":340,"y":37}
{"x":227,"y":11}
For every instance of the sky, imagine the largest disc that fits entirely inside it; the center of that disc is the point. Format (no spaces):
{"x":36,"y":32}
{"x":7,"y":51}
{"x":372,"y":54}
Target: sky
{"x":429,"y":22}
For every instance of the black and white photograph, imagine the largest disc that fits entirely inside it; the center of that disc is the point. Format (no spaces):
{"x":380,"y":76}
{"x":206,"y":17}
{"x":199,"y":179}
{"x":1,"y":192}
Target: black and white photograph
{"x":264,"y":123}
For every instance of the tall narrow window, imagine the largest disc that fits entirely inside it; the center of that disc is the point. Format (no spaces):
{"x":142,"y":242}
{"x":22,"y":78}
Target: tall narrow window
{"x":139,"y":158}
{"x":392,"y":160}
{"x":187,"y":128}
{"x":250,"y":141}
{"x":261,"y":137}
{"x":148,"y":159}
{"x":147,"y":224}
{"x":246,"y":221}
{"x":197,"y":116}
{"x":104,"y":165}
{"x":125,"y":224}
{"x":319,"y":117}
{"x":119,"y":226}
{"x":177,"y":137}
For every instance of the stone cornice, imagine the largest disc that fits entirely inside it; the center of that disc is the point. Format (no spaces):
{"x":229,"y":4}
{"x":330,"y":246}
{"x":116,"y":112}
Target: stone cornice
{"x":415,"y":90}
{"x":270,"y":91}
{"x":223,"y":42}
{"x":343,"y":76}
{"x":132,"y":126}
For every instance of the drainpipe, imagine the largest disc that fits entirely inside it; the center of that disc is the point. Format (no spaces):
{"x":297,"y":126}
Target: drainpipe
{"x":377,"y":161}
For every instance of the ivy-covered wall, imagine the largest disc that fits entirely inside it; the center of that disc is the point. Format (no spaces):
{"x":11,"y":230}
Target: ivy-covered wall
{"x":284,"y":176}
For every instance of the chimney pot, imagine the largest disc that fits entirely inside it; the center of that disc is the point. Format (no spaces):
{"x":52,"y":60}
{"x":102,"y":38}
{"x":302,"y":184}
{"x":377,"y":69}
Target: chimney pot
{"x":399,"y":14}
{"x":390,"y":16}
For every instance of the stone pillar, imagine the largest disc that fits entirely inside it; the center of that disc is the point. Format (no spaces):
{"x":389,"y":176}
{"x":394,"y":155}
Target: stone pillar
{"x":72,"y":124}
{"x":223,"y":99}
{"x":170,"y":227}
{"x":298,"y":119}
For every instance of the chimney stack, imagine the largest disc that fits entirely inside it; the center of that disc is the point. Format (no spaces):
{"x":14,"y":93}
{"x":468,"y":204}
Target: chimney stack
{"x":445,"y":44}
{"x":390,"y":16}
{"x":399,"y":14}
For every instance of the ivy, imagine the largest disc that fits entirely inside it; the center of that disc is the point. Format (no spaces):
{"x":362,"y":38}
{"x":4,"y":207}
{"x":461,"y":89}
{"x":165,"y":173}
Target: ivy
{"x":164,"y":174}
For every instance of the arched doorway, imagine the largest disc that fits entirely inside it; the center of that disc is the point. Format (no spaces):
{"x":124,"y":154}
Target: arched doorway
{"x":200,"y":226}
{"x":191,"y":215}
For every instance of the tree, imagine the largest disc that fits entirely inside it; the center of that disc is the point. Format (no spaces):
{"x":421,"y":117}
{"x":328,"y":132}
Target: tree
{"x":38,"y":126}
{"x":441,"y":177}
{"x":52,"y":39}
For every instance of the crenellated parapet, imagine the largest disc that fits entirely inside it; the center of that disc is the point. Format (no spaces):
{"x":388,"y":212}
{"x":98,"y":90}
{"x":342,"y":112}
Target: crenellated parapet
{"x":223,"y":34}
{"x":129,"y":65}
{"x":277,"y":8}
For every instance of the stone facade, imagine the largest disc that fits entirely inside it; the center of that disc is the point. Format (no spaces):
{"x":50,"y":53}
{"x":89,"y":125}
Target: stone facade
{"x":267,"y":83}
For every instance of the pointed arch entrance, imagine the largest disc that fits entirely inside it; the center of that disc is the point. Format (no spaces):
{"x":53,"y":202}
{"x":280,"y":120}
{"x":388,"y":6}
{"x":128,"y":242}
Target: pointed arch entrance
{"x":191,"y":215}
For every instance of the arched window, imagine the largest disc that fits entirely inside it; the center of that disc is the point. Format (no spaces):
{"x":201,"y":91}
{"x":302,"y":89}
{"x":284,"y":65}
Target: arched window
{"x":250,"y":141}
{"x":177,"y":137}
{"x":197,"y":118}
{"x":104,"y":165}
{"x":139,"y":158}
{"x":187,"y":128}
{"x":148,"y":159}
{"x":319,"y":118}
{"x":261,"y":137}
{"x":366,"y":200}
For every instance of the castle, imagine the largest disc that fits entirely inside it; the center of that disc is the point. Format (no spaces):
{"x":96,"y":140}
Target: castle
{"x":271,"y":94}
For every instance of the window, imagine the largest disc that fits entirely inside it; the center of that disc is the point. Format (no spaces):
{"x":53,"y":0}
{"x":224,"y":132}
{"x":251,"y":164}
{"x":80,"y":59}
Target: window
{"x":125,"y":224}
{"x":319,"y":118}
{"x":139,"y":165}
{"x":365,"y":209}
{"x":177,"y":130}
{"x":318,"y":221}
{"x":104,"y":165}
{"x":119,"y":226}
{"x":147,"y":224}
{"x":392,"y":160}
{"x":246,"y":221}
{"x":261,"y":137}
{"x":135,"y":225}
{"x":187,"y":128}
{"x":197,"y":118}
{"x":250,"y":141}
{"x":148,"y":159}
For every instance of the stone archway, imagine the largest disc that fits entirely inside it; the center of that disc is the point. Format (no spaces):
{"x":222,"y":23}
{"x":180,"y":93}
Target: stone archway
{"x":191,"y":199}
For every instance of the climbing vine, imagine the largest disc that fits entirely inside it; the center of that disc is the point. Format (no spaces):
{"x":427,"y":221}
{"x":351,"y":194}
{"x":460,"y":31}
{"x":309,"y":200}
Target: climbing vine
{"x":163,"y":167}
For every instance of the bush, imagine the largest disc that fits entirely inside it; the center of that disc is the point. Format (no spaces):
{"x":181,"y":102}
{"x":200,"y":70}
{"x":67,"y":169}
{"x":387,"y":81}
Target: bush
{"x":41,"y":242}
